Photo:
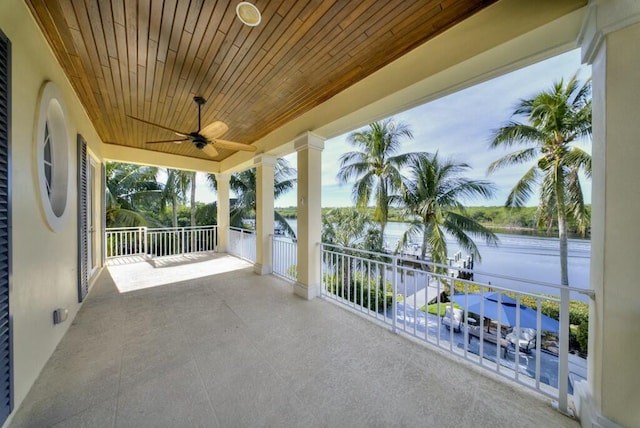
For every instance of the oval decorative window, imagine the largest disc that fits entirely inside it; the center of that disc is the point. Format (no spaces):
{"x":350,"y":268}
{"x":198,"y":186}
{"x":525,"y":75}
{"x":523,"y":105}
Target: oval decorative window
{"x":52,"y":157}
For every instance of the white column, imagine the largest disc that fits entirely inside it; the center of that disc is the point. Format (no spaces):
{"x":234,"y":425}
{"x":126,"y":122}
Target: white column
{"x":222,"y":214}
{"x":264,"y":212}
{"x":309,"y":147}
{"x":611,"y":43}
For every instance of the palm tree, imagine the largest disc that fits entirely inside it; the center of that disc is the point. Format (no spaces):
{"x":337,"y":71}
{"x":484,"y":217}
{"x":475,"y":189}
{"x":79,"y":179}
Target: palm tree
{"x":192,"y":179}
{"x":175,"y":191}
{"x":433,"y":196}
{"x":352,"y":228}
{"x":243,"y":184}
{"x":375,"y":167}
{"x":132,"y":193}
{"x":557,"y":118}
{"x":345,"y":227}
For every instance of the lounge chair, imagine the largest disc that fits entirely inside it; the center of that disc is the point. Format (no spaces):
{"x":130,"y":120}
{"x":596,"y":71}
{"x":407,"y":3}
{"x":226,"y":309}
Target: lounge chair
{"x":454,"y":320}
{"x":525,"y":339}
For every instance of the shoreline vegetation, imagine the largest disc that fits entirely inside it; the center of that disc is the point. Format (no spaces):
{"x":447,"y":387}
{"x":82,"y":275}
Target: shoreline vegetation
{"x":497,"y":218}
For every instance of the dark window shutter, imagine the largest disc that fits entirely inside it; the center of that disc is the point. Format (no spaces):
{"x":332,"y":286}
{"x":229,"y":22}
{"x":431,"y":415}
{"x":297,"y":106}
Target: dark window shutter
{"x":83,"y":236}
{"x":6,"y":390}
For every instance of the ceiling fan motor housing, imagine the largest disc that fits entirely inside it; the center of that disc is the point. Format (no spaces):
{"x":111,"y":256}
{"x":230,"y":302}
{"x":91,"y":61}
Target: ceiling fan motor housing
{"x":199,"y":141}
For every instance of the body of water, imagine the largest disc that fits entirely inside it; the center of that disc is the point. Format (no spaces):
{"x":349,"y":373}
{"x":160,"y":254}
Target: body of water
{"x":523,"y":256}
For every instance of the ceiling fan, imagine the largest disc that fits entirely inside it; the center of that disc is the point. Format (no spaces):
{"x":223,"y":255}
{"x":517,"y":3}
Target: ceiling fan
{"x":205,"y":139}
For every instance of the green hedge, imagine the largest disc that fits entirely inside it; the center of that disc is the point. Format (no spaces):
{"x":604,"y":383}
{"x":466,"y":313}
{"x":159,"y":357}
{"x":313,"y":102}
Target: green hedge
{"x":362,"y":291}
{"x":582,"y":336}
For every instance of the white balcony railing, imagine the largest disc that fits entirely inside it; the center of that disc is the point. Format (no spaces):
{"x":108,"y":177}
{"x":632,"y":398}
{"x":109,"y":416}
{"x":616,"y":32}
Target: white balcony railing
{"x":157,"y":242}
{"x":125,"y":241}
{"x":182,"y":240}
{"x":285,"y":257}
{"x":397,"y":291}
{"x":242,"y":243}
{"x":394,"y":290}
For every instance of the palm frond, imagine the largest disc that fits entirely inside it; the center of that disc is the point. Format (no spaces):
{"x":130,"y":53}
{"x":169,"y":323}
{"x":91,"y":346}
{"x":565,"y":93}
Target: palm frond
{"x":578,"y":158}
{"x":521,"y":192}
{"x":575,"y":201}
{"x":283,"y":223}
{"x":517,"y":133}
{"x":514,"y":158}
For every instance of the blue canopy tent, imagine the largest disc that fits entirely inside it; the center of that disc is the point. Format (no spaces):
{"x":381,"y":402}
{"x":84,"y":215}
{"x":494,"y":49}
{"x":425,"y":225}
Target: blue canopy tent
{"x":487,"y":305}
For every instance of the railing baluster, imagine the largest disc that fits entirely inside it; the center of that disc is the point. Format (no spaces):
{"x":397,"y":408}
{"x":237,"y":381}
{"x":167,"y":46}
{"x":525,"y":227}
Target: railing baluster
{"x":563,"y":363}
{"x":426,"y":315}
{"x":394,"y":299}
{"x":415,"y":304}
{"x":538,"y":339}
{"x":452,"y":319}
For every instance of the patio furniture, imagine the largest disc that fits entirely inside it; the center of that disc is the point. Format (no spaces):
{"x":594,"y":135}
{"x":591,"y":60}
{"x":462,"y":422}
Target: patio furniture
{"x":477,"y":332}
{"x":452,"y":319}
{"x":525,"y":339}
{"x":499,"y":306}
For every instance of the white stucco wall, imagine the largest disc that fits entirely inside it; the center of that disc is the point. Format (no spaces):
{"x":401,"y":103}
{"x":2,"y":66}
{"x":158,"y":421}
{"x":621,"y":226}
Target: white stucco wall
{"x":616,"y":201}
{"x":44,"y":263}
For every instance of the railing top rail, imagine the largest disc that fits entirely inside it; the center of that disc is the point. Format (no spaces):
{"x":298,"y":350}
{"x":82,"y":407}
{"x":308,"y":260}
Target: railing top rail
{"x":243,"y":230}
{"x":395,"y":258}
{"x":173,"y":229}
{"x":158,"y":229}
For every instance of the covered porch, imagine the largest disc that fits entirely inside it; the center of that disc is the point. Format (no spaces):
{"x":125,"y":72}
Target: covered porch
{"x":240,"y":348}
{"x":235,"y":349}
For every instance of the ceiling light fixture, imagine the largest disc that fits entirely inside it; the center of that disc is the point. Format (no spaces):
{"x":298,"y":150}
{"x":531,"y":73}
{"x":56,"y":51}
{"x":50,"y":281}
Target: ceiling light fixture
{"x":248,"y":14}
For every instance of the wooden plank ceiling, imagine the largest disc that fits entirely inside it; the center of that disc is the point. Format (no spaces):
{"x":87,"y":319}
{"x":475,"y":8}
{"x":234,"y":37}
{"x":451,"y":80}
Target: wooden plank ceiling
{"x":149,"y":58}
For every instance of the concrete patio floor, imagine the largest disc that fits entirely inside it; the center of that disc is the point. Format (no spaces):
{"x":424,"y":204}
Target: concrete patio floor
{"x":233,"y":349}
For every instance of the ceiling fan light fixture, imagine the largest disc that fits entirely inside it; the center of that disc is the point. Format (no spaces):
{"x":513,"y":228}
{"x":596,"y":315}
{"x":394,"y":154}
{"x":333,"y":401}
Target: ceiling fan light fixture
{"x":248,"y":14}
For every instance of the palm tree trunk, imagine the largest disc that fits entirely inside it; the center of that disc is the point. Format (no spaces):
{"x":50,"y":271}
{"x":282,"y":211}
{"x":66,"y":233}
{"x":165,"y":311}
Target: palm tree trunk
{"x":562,"y":234}
{"x":193,"y":198}
{"x":562,"y":229}
{"x":174,"y":210}
{"x":423,"y":246}
{"x":383,"y":206}
{"x":174,"y":220}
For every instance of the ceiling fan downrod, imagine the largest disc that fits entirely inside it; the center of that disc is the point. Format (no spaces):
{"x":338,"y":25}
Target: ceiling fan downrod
{"x":200,"y":101}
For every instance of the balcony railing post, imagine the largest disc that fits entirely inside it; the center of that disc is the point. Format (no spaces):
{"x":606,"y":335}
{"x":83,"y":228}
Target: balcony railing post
{"x":182,"y":244}
{"x":394,"y":298}
{"x":241,"y":244}
{"x":144,"y":240}
{"x":563,"y":354}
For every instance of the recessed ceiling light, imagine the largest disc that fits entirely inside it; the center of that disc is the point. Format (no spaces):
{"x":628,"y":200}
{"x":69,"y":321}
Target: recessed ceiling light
{"x":248,"y":14}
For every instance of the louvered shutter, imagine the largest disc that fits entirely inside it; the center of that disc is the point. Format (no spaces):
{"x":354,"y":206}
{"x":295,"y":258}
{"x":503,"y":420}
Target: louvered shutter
{"x":6,"y":390}
{"x":83,"y":236}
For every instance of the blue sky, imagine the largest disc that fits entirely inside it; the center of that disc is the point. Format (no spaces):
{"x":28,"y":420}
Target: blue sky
{"x":458,"y":126}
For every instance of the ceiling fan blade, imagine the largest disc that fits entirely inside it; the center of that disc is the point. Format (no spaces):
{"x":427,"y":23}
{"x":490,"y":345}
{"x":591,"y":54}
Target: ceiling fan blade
{"x":180,"y":133}
{"x":214,"y":130}
{"x":210,"y":150}
{"x":167,"y":141}
{"x":231,"y":145}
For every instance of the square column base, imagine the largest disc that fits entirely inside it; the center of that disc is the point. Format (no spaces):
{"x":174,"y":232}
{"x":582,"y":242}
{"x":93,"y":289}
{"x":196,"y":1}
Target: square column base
{"x":586,"y":409}
{"x":305,"y":291}
{"x":262,"y":269}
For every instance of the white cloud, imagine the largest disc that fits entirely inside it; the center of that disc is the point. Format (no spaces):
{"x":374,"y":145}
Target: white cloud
{"x":458,"y":126}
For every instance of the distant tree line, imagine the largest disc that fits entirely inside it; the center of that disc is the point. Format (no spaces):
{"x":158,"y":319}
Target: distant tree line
{"x":493,"y":217}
